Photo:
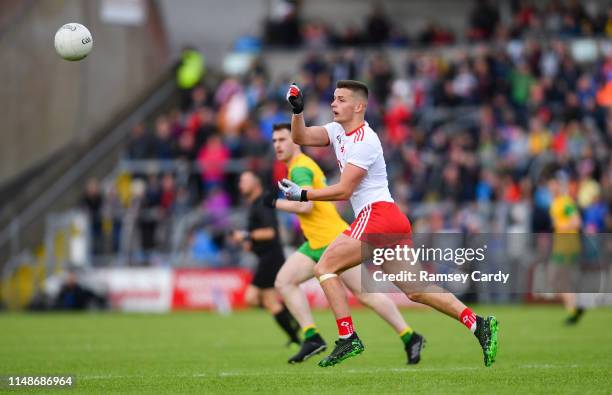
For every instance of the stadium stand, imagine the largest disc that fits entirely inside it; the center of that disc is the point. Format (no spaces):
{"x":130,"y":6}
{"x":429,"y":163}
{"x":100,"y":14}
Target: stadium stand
{"x":471,"y":120}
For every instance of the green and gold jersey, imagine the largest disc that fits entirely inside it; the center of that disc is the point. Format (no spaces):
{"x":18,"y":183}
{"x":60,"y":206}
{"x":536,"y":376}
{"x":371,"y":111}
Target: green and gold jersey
{"x":566,"y":242}
{"x":323,"y":224}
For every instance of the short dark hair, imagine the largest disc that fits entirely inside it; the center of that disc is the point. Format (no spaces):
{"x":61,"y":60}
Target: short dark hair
{"x":263,"y":177}
{"x":255,"y":175}
{"x":281,"y":126}
{"x":354,"y":86}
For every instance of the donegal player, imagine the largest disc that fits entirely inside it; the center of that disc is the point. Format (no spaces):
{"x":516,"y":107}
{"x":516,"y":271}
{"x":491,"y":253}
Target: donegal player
{"x":566,"y":246}
{"x":321,"y":224}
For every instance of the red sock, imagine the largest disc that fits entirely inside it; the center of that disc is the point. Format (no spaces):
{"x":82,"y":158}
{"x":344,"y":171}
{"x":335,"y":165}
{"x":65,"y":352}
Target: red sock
{"x":345,"y":327}
{"x":468,"y":318}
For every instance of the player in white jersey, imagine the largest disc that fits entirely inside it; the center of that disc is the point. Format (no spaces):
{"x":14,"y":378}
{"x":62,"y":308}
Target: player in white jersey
{"x":364,"y":181}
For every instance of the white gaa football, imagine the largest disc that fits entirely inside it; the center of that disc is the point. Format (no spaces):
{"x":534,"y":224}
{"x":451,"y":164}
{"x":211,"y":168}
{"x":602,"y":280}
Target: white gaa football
{"x":73,"y":41}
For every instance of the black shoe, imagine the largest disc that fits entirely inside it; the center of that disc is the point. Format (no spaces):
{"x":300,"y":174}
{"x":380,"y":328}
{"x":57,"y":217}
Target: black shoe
{"x":414,"y":347}
{"x":311,"y":346}
{"x":486,"y":333}
{"x":574,"y":318}
{"x":345,"y":348}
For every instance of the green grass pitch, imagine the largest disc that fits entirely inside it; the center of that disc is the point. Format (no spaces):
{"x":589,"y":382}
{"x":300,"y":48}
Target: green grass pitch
{"x":199,"y":353}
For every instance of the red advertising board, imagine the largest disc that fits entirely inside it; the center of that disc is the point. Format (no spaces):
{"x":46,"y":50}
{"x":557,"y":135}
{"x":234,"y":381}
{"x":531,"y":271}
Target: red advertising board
{"x":163,"y":289}
{"x":209,"y":288}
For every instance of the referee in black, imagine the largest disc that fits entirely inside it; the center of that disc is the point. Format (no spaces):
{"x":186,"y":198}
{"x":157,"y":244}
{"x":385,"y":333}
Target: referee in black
{"x":262,"y":238}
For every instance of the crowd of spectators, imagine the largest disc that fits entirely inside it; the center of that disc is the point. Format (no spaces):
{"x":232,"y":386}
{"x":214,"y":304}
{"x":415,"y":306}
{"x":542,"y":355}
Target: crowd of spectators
{"x":464,"y":133}
{"x":485,"y":21}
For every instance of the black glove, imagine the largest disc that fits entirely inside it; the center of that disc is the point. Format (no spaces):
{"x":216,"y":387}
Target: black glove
{"x":269,"y":199}
{"x":295,"y":99}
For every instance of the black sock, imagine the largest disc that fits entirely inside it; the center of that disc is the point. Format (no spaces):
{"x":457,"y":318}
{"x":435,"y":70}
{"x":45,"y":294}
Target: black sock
{"x":286,"y":321}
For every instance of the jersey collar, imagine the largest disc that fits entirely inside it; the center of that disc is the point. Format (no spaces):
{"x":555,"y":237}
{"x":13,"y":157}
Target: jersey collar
{"x":356,"y":129}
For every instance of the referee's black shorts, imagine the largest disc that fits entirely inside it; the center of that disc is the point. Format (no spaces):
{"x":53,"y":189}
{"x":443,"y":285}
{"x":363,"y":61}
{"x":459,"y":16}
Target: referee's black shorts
{"x":267,"y":269}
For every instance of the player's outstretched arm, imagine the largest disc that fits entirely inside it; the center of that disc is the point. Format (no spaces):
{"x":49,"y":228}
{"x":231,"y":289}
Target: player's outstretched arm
{"x":343,"y":190}
{"x":271,"y":201}
{"x":294,"y":207}
{"x":314,"y":136}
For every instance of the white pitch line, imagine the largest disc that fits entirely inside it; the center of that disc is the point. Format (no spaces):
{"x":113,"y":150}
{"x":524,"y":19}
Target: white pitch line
{"x":349,"y":371}
{"x":407,"y":370}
